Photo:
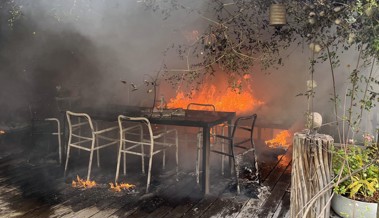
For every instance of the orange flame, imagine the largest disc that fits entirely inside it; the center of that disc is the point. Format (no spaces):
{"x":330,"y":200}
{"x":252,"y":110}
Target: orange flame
{"x":282,"y":139}
{"x":122,"y":186}
{"x":2,"y":132}
{"x":284,"y":160}
{"x":224,"y":99}
{"x":81,"y":183}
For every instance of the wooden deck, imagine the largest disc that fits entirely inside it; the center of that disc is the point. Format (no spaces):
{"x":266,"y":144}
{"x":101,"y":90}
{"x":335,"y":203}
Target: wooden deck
{"x":34,"y":186}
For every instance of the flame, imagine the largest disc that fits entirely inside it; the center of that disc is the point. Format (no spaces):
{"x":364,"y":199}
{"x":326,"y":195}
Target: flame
{"x":81,"y":183}
{"x":2,"y":132}
{"x":246,"y":76}
{"x":284,"y":160}
{"x":122,"y":186}
{"x":282,"y":139}
{"x":224,"y":99}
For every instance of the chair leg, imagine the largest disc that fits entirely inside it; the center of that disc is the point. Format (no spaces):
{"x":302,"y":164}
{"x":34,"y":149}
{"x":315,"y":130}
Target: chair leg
{"x":149,"y":173}
{"x":80,"y":133}
{"x":223,"y":151}
{"x":237,"y":175}
{"x":231,"y":160}
{"x":235,"y":169}
{"x":64,"y":133}
{"x":124,"y":158}
{"x":256,"y":167}
{"x":90,"y":159}
{"x":222,"y":159}
{"x":118,"y":161}
{"x":98,"y":157}
{"x":143,"y":152}
{"x":67,"y":157}
{"x":177,"y":155}
{"x":164,"y":152}
{"x":97,"y":145}
{"x":59,"y":141}
{"x":164,"y":160}
{"x":198,"y":158}
{"x":143,"y":159}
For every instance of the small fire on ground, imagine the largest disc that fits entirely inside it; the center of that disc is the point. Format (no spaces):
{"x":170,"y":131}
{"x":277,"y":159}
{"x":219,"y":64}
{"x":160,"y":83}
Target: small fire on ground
{"x":2,"y":132}
{"x":122,"y":186}
{"x":283,"y":139}
{"x":284,"y":160}
{"x":81,"y":183}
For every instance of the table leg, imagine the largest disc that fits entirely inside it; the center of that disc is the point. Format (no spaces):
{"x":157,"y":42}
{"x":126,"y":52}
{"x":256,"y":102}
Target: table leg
{"x":206,"y":168}
{"x":64,"y":132}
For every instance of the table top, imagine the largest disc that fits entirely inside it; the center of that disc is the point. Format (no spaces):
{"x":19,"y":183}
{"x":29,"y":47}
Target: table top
{"x":177,"y":117}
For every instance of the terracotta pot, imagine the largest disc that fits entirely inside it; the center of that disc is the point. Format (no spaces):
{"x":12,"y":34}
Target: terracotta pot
{"x":346,"y":207}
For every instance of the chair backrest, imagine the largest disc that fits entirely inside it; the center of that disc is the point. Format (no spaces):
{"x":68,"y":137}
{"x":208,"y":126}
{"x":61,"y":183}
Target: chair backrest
{"x":47,"y":107}
{"x":133,"y":121}
{"x":199,"y":106}
{"x":41,"y":109}
{"x":243,"y":124}
{"x":77,"y":121}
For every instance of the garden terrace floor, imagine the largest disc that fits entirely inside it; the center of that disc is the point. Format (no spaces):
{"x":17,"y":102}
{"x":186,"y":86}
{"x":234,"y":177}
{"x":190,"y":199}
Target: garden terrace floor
{"x":32,"y":185}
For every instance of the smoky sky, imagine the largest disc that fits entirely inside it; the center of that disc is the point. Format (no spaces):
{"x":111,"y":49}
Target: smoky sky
{"x":86,"y":47}
{"x":89,"y":47}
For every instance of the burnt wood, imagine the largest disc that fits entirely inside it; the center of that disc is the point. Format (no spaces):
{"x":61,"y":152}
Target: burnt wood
{"x":280,"y":168}
{"x":23,"y":198}
{"x":278,"y":192}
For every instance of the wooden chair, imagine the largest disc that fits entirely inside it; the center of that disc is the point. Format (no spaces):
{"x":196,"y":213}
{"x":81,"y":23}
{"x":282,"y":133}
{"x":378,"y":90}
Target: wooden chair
{"x":84,"y":136}
{"x":199,"y":135}
{"x":244,"y":124}
{"x":135,"y":143}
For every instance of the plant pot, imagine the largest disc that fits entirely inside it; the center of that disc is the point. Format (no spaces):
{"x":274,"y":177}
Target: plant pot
{"x":346,"y":207}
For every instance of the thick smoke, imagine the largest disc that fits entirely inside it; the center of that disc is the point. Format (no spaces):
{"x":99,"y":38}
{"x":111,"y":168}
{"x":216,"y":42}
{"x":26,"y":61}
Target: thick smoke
{"x":89,"y":47}
{"x":84,"y":47}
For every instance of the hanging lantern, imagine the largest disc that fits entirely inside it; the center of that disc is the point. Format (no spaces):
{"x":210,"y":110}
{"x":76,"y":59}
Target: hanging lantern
{"x":278,"y":15}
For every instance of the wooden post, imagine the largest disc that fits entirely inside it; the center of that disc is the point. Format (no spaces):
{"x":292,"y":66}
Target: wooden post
{"x":311,"y":173}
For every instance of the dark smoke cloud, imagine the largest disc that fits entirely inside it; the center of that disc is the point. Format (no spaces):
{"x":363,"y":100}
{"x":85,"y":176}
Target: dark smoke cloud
{"x":85,"y":47}
{"x":89,"y":47}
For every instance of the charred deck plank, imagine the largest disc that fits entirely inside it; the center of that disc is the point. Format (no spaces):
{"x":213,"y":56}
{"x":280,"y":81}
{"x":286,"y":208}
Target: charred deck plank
{"x":278,"y":180}
{"x":23,"y":197}
{"x":275,"y":199}
{"x":283,"y":210}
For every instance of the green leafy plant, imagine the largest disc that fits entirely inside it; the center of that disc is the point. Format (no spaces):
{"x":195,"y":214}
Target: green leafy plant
{"x":359,"y":166}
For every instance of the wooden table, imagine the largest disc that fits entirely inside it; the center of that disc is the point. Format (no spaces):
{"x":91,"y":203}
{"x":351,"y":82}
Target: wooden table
{"x":191,"y":118}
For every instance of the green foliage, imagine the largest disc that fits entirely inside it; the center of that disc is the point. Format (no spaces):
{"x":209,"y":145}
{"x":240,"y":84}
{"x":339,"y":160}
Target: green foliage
{"x":239,"y":36}
{"x":362,"y":160}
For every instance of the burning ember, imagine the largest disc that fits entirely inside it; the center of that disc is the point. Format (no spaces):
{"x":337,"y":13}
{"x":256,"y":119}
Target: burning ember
{"x":81,"y":183}
{"x":224,"y":98}
{"x":122,"y":186}
{"x":281,"y":140}
{"x":2,"y":132}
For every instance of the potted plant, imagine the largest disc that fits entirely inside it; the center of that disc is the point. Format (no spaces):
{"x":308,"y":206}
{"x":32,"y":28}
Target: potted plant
{"x":356,"y":167}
